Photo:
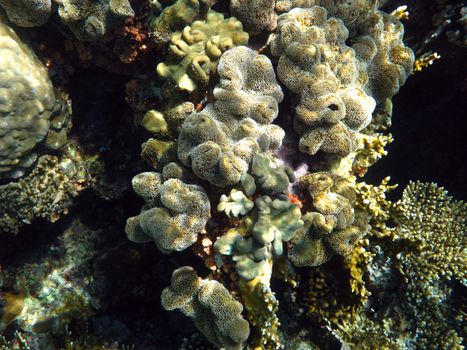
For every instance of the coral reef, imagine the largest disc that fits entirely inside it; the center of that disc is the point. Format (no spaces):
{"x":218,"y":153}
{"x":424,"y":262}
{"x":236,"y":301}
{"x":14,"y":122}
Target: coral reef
{"x":219,"y":142}
{"x":194,"y":51}
{"x":215,"y":312}
{"x":436,"y":224}
{"x":32,"y":115}
{"x":259,"y":193}
{"x":174,"y":214}
{"x":332,"y":226}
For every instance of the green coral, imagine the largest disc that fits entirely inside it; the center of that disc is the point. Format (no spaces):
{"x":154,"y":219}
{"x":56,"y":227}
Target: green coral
{"x":235,"y":204}
{"x":174,"y":214}
{"x":213,"y":309}
{"x":269,"y":223}
{"x":220,"y":141}
{"x":32,"y":114}
{"x":332,"y":226}
{"x":195,"y":51}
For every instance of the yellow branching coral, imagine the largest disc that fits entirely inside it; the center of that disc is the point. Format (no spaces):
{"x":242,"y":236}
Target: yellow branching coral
{"x":372,"y":200}
{"x":436,"y":225}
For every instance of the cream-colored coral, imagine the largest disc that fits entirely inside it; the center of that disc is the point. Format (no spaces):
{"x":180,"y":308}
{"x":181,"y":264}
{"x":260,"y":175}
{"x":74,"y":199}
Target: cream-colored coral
{"x":194,"y":51}
{"x":174,"y":213}
{"x":219,"y":142}
{"x":331,"y":226}
{"x":28,"y":106}
{"x":213,"y":309}
{"x":339,"y":85}
{"x":316,"y":64}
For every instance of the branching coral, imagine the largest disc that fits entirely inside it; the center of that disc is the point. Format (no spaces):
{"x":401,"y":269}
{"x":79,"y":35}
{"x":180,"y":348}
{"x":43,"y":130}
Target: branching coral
{"x":174,"y":213}
{"x":195,"y":51}
{"x":332,"y":226}
{"x":437,"y":225}
{"x":215,"y":312}
{"x":219,"y":142}
{"x":31,"y":114}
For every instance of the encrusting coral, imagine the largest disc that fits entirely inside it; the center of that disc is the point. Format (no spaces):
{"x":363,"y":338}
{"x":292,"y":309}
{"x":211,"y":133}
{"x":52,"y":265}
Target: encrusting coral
{"x":27,"y":13}
{"x":46,"y":192}
{"x":90,"y":20}
{"x":194,"y":51}
{"x":332,"y":226}
{"x":256,"y":15}
{"x":219,"y":142}
{"x":174,"y":214}
{"x":33,"y":117}
{"x":215,"y":312}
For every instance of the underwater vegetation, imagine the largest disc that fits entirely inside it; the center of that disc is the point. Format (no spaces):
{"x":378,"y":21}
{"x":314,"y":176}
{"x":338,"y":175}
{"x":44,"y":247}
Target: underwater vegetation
{"x":196,"y":174}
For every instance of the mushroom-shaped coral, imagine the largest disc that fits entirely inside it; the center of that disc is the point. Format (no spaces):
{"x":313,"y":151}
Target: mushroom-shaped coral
{"x":174,"y":213}
{"x":316,"y":63}
{"x":388,"y":61}
{"x":30,"y":112}
{"x":219,"y":142}
{"x":195,"y":51}
{"x":90,"y":20}
{"x":215,"y":312}
{"x":332,"y":226}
